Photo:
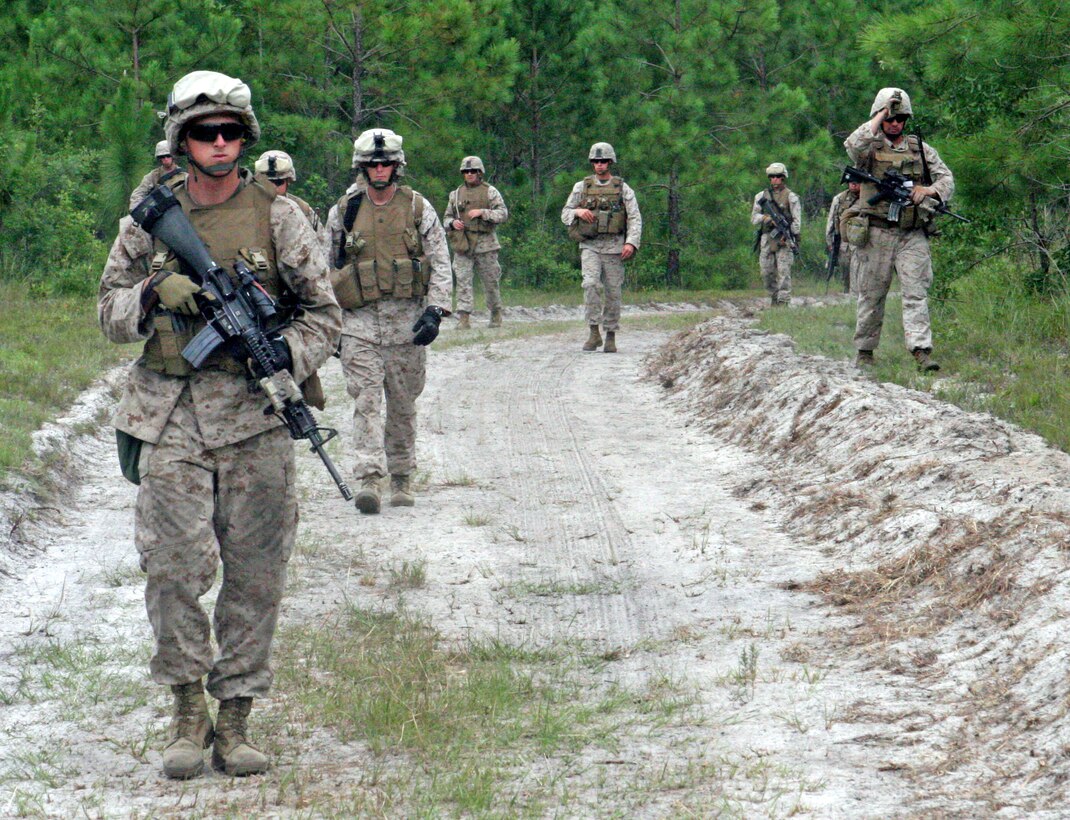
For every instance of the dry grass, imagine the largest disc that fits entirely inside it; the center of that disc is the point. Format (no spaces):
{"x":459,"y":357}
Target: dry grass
{"x":961,"y":568}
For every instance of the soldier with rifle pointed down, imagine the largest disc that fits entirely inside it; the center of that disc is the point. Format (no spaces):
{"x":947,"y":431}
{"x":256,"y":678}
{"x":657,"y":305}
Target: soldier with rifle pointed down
{"x":778,"y":214}
{"x":904,"y":184}
{"x":840,"y":255}
{"x":216,"y":473}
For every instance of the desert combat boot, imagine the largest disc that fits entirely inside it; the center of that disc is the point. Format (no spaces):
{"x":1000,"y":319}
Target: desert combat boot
{"x":191,"y":732}
{"x":611,"y":342}
{"x":925,"y":363}
{"x":368,"y":498}
{"x":463,"y":322}
{"x":232,"y":752}
{"x":401,"y":491}
{"x":864,"y":359}
{"x":594,"y":341}
{"x":495,"y":318}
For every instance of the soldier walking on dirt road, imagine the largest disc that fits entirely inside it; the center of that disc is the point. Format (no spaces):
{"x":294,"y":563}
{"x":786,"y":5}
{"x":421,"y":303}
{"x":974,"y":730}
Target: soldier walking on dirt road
{"x":216,"y":474}
{"x":602,"y":215}
{"x":391,"y":273}
{"x":472,"y":215}
{"x":776,"y":252}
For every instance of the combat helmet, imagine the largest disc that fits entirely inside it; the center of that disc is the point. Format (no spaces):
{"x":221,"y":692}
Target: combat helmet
{"x":602,"y":150}
{"x":886,"y":96}
{"x":202,"y":94}
{"x":378,"y":144}
{"x":163,"y":149}
{"x":777,"y":168}
{"x":473,"y":164}
{"x":277,"y":165}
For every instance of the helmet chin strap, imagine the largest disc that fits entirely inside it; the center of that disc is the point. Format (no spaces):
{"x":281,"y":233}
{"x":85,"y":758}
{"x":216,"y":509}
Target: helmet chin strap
{"x":380,"y":184}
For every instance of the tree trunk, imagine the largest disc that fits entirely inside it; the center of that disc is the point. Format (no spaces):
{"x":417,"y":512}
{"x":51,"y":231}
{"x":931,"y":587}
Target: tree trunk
{"x":672,"y":260}
{"x":357,"y":98}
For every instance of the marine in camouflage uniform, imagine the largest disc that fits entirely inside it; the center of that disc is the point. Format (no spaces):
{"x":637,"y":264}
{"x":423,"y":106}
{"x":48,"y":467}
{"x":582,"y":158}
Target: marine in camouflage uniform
{"x":841,"y":203}
{"x":472,"y":215}
{"x":216,"y":474}
{"x":165,"y":170}
{"x":279,"y":168}
{"x":902,"y":247}
{"x":775,"y":256}
{"x":391,"y":274}
{"x":602,"y":215}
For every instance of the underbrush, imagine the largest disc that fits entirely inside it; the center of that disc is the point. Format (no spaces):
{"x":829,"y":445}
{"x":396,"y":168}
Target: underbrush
{"x":1001,"y":349}
{"x":50,"y":350}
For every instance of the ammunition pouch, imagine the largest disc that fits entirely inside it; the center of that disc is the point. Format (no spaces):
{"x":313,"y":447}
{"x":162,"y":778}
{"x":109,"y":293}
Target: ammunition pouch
{"x":857,"y":231}
{"x":459,"y":241}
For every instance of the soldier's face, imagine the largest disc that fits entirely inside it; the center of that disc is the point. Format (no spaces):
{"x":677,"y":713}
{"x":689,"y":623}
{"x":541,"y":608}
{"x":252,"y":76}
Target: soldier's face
{"x":893,"y":127}
{"x":167,"y":162}
{"x":854,"y":187}
{"x":379,"y":173}
{"x":208,"y":145}
{"x":776,"y":181}
{"x":601,"y":167}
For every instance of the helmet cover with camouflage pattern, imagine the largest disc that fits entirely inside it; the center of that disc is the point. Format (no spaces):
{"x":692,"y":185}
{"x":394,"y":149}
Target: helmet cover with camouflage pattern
{"x":602,"y":150}
{"x":378,"y":144}
{"x":777,"y":168}
{"x":277,"y":165}
{"x":204,"y":94}
{"x":473,"y":164}
{"x":897,"y":97}
{"x":162,"y":149}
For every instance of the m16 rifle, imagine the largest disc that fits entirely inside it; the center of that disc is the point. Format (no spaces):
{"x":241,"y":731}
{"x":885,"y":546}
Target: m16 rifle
{"x":833,"y":259}
{"x":239,"y":317}
{"x":895,"y":189}
{"x":781,"y":223}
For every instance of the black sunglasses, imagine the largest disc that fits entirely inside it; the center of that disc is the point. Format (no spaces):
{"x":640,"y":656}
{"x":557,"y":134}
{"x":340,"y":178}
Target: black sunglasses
{"x":601,"y":161}
{"x":209,"y":132}
{"x":470,"y":171}
{"x":898,"y":118}
{"x":381,"y":163}
{"x":776,"y":176}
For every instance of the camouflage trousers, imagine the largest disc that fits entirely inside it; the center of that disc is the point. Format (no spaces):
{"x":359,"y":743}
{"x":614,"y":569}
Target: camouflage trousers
{"x":603,"y":277}
{"x":195,"y":508}
{"x":905,"y":253}
{"x":490,"y":273}
{"x":775,"y":261}
{"x":373,"y":371}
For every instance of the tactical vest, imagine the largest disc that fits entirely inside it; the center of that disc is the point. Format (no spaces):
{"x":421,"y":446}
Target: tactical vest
{"x":607,"y":203}
{"x":383,"y":253}
{"x":783,"y":200}
{"x":909,"y":164}
{"x":239,"y":228}
{"x":468,"y":199}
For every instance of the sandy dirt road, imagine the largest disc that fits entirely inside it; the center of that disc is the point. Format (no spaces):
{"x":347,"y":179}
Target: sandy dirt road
{"x":565,"y":499}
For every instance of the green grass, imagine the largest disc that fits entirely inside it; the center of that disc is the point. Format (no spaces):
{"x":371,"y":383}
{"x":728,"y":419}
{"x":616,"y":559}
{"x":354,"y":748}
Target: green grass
{"x":50,"y":350}
{"x":472,"y":720}
{"x":1000,"y":349}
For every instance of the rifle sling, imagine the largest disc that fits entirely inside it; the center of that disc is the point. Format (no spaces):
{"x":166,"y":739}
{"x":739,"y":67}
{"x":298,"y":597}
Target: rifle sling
{"x":347,"y":223}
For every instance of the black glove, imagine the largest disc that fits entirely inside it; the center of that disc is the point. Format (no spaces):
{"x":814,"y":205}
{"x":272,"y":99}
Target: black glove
{"x":282,"y":357}
{"x":426,"y":327}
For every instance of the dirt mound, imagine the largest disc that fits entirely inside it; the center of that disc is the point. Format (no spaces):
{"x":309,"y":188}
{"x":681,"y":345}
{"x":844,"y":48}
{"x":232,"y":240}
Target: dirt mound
{"x":946,"y":535}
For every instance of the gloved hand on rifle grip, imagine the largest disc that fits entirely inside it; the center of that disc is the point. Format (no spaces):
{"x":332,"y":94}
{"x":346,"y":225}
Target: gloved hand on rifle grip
{"x":176,"y":292}
{"x":426,"y":327}
{"x":283,"y":358}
